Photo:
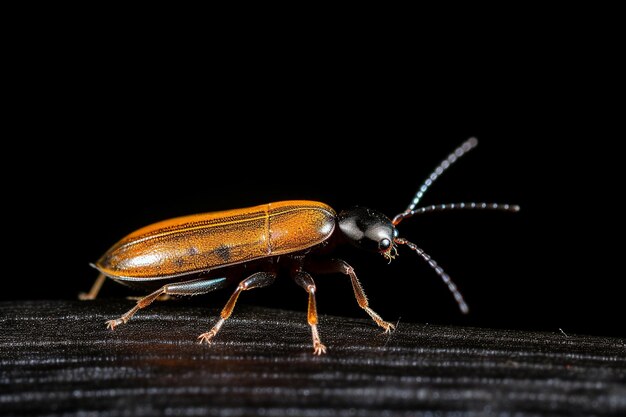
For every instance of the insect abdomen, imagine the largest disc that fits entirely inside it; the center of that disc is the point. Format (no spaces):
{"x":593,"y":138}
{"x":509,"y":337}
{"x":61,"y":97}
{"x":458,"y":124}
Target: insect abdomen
{"x":197,"y":243}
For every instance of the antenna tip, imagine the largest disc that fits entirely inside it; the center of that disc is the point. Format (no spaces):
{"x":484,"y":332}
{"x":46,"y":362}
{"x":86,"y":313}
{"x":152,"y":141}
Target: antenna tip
{"x":467,"y":146}
{"x":464,"y":308}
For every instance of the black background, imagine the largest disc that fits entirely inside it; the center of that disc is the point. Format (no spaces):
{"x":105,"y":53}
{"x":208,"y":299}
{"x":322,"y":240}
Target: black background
{"x":115,"y":142}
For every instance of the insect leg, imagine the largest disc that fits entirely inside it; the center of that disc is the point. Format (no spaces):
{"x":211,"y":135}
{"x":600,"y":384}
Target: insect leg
{"x":193,"y":287}
{"x":257,"y":280}
{"x":95,"y":289}
{"x":327,"y":266}
{"x":306,"y":281}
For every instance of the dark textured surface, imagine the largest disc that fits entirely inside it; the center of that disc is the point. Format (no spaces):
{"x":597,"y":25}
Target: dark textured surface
{"x":57,"y":358}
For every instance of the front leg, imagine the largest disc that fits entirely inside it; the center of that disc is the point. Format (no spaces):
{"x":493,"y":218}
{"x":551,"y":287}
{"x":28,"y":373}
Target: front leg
{"x":328,"y":266}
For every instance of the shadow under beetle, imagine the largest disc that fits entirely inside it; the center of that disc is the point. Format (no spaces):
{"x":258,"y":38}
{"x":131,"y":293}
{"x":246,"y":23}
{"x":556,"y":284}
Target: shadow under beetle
{"x":200,"y":253}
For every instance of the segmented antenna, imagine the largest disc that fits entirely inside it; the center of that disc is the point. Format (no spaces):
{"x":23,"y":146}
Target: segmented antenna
{"x":444,"y":165}
{"x":412,"y":210}
{"x":456,"y":206}
{"x":445,"y":277}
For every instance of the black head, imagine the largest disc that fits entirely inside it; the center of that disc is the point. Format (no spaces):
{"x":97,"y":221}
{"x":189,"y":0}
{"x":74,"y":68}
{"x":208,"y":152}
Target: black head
{"x":369,"y":230}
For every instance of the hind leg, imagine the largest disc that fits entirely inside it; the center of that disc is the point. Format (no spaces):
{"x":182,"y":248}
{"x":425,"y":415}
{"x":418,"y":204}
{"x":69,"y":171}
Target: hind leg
{"x":194,"y":287}
{"x":95,"y":288}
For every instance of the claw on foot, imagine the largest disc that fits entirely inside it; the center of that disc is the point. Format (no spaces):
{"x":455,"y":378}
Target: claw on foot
{"x":85,"y":296}
{"x":206,"y":337}
{"x":112,"y":324}
{"x":318,"y":349}
{"x":387,"y":326}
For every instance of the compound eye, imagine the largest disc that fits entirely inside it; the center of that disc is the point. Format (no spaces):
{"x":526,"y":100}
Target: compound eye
{"x":384,"y":244}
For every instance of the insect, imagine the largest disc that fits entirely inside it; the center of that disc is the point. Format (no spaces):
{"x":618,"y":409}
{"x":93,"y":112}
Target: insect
{"x":200,"y":253}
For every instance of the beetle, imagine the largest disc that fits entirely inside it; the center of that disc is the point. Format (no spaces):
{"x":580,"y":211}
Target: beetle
{"x":199,"y":253}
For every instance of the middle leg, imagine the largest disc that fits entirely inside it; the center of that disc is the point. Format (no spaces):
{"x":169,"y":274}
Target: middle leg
{"x":257,"y":280}
{"x":306,"y":281}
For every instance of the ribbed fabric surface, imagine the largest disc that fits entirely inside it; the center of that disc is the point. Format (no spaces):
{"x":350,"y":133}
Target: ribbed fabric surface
{"x":58,"y":359}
